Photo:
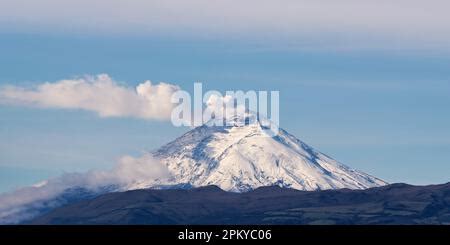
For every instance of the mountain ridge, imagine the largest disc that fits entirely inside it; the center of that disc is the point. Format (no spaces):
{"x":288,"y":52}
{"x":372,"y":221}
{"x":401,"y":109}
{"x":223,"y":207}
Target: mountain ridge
{"x":391,"y":204}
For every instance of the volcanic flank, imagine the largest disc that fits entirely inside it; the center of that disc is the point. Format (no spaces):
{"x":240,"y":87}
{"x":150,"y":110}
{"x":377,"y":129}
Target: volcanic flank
{"x":240,"y":157}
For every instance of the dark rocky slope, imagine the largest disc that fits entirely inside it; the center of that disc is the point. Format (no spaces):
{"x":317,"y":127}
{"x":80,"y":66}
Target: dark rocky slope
{"x":392,"y":204}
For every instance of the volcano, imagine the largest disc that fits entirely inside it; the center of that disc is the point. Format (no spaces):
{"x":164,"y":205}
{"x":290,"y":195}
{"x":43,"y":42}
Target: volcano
{"x":241,"y":156}
{"x":238,"y":157}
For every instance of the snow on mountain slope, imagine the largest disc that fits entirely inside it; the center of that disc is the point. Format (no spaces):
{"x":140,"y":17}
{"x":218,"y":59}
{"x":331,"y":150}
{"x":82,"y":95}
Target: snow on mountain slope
{"x":236,"y":158}
{"x":240,"y":157}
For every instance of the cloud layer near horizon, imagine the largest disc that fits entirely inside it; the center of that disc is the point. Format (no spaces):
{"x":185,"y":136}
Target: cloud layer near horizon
{"x":100,"y":94}
{"x":407,"y":21}
{"x":27,"y":202}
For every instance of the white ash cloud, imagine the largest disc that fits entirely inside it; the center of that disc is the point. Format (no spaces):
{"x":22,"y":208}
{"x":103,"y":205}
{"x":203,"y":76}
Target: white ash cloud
{"x":100,"y":94}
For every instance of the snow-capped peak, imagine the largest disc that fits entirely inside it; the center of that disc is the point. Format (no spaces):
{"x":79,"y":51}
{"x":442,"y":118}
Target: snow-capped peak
{"x":239,"y":156}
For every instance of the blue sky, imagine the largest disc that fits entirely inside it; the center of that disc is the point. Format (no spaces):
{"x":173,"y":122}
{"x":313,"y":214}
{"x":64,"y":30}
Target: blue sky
{"x":379,"y":108}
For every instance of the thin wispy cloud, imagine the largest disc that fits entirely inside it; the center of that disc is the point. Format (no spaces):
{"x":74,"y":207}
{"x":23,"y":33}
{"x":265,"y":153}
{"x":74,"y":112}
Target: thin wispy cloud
{"x":100,"y":94}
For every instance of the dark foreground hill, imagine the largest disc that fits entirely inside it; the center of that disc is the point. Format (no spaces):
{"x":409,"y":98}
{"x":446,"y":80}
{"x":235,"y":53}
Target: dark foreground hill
{"x":392,"y":204}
